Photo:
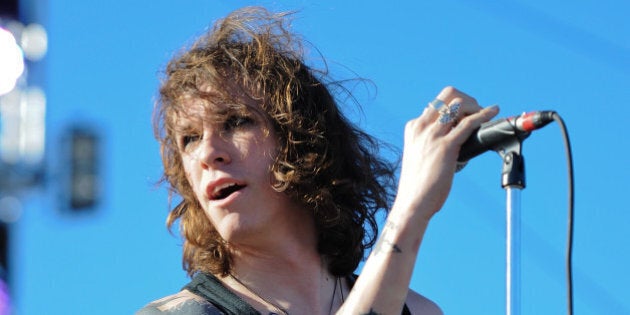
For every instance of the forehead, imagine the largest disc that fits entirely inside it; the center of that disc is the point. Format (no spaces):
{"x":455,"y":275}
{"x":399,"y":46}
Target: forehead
{"x":189,"y":106}
{"x":210,"y":108}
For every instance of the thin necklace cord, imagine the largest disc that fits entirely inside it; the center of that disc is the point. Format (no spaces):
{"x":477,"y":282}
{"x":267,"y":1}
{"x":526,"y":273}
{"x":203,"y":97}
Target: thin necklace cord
{"x":275,"y":306}
{"x":284,"y":311}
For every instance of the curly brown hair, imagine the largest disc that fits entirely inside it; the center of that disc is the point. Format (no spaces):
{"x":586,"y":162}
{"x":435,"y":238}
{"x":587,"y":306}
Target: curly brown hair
{"x":324,"y":161}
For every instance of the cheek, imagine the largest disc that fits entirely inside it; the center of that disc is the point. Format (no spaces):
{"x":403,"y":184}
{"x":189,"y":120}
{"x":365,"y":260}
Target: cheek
{"x":188,"y":163}
{"x":261,"y":157}
{"x":189,"y":179}
{"x":189,"y":172}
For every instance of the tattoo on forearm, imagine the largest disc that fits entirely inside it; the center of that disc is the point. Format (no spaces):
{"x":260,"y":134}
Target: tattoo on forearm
{"x":391,"y":225}
{"x":384,"y":244}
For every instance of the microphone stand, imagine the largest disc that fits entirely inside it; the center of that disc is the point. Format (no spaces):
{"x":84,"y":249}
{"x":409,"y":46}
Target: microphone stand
{"x":513,"y":181}
{"x":506,"y":136}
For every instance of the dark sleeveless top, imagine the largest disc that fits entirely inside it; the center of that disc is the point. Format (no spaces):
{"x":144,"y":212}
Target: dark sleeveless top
{"x":210,"y":288}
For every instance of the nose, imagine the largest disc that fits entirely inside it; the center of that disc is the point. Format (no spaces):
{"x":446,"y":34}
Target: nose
{"x":214,"y":150}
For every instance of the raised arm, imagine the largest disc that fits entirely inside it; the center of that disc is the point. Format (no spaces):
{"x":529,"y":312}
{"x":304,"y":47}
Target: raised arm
{"x":431,"y":146}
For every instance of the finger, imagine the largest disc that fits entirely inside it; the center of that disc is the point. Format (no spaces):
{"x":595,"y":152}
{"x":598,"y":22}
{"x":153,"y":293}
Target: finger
{"x":429,"y":114}
{"x":459,"y":106}
{"x":433,"y":108}
{"x":466,"y":107}
{"x":468,"y":124}
{"x":455,"y":111}
{"x":448,"y":116}
{"x":446,"y":97}
{"x":448,"y":108}
{"x":449,"y":94}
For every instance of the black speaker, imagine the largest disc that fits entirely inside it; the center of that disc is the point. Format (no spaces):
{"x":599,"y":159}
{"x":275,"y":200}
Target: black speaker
{"x":84,"y":180}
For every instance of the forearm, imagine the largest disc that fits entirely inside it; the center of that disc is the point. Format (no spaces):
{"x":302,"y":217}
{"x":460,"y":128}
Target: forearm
{"x":384,"y":282}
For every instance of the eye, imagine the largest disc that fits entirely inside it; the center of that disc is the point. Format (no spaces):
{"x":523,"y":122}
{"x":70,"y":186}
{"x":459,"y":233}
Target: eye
{"x":237,"y":121}
{"x":186,"y":140}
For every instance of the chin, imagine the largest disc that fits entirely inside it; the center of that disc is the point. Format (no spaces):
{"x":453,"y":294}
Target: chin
{"x":240,"y":233}
{"x":232,"y":227}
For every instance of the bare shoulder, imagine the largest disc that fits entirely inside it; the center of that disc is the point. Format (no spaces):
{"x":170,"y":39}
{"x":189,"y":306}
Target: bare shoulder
{"x":181,"y":303}
{"x":419,"y":304}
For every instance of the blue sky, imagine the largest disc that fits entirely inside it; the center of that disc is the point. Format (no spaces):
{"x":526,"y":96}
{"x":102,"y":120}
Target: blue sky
{"x":571,"y":57}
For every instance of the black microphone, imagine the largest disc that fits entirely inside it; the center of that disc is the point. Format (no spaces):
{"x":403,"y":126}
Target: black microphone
{"x":494,"y":135}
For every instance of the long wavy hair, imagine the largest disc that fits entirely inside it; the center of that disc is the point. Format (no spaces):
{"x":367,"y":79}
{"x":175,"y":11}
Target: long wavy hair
{"x":324,"y":161}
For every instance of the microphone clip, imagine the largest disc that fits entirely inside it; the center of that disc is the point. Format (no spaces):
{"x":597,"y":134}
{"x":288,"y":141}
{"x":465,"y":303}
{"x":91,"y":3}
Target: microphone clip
{"x":513,"y":170}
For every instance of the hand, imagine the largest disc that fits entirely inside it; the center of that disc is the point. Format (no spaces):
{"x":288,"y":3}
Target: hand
{"x":431,"y":148}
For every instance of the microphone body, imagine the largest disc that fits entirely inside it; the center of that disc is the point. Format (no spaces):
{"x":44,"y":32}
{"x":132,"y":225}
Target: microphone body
{"x":495,"y":135}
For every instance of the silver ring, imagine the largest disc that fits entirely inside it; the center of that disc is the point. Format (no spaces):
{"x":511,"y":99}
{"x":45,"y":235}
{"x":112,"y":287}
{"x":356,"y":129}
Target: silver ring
{"x":436,"y":104}
{"x":448,"y":113}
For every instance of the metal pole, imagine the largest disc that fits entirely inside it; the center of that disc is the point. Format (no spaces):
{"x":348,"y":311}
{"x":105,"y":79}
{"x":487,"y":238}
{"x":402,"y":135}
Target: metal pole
{"x":513,"y":252}
{"x":513,"y":181}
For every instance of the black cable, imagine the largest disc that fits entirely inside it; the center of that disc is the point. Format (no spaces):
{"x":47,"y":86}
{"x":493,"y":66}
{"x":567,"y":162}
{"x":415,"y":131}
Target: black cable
{"x":569,"y":253}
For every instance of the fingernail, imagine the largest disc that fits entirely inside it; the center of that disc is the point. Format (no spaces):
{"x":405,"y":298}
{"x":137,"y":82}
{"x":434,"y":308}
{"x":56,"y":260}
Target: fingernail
{"x":493,"y":108}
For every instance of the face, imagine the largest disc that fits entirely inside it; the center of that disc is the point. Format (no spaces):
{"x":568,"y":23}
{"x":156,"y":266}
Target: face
{"x":227,"y":162}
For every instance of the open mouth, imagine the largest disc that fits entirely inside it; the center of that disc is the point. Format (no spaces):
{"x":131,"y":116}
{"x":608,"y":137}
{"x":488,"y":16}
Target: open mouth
{"x":223,"y":191}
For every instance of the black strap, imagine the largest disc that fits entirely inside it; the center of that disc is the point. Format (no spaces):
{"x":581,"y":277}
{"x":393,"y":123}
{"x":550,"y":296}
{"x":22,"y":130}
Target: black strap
{"x":406,"y":310}
{"x":210,"y":288}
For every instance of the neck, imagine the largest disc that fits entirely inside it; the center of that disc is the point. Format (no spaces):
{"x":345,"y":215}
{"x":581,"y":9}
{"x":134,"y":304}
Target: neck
{"x":299,"y":286}
{"x":290,"y":267}
{"x":282,"y":270}
{"x":290,"y":243}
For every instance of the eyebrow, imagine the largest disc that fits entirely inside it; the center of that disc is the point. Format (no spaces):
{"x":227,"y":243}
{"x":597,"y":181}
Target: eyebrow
{"x":181,"y":125}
